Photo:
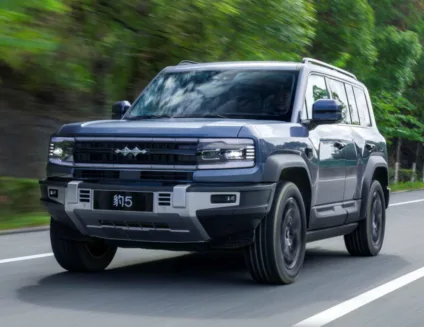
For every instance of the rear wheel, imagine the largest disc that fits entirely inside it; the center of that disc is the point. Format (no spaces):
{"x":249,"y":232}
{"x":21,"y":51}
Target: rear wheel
{"x":278,"y":252}
{"x":367,"y":239}
{"x":79,"y":256}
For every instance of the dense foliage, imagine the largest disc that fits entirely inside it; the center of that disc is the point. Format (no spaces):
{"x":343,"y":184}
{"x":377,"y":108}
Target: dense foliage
{"x":98,"y":51}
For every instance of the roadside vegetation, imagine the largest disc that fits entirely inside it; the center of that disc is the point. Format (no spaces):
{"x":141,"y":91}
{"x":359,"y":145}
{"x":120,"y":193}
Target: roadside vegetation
{"x":19,"y":204}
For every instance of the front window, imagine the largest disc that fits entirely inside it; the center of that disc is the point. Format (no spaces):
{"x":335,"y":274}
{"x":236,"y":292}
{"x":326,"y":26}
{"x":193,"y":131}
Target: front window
{"x":259,"y":94}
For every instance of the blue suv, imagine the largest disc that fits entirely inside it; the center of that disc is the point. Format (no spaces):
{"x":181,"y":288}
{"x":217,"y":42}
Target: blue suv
{"x":262,"y":157}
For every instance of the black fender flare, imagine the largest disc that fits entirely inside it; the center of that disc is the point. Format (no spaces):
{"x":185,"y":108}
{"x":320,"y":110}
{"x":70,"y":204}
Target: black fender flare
{"x":276,"y":163}
{"x":374,"y":162}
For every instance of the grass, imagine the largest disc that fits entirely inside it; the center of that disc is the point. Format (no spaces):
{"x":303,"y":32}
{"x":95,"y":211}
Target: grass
{"x":407,"y":186}
{"x":24,"y":221}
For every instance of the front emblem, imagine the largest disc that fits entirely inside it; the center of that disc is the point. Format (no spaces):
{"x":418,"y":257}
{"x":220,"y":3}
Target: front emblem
{"x":120,"y":201}
{"x":126,"y":151}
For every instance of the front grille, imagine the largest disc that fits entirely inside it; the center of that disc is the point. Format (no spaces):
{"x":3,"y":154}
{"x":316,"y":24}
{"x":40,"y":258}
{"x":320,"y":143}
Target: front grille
{"x":164,"y":199}
{"x":143,"y":152}
{"x":166,"y":176}
{"x":96,"y":174}
{"x":84,"y":196}
{"x":144,"y":175}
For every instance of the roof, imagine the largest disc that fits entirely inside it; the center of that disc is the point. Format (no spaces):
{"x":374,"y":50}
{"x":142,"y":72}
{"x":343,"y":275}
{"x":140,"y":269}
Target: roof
{"x":284,"y":65}
{"x":309,"y":63}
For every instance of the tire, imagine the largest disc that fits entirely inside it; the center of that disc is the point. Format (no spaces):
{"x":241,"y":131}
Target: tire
{"x":367,"y":239}
{"x":78,"y":256}
{"x":268,"y":258}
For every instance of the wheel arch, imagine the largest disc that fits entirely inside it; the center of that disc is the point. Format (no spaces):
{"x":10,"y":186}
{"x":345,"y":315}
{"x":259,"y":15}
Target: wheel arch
{"x":291,"y":168}
{"x":377,"y":169}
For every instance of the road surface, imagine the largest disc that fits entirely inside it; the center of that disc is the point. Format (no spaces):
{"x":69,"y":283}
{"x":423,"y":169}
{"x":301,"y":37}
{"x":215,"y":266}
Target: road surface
{"x":167,"y":289}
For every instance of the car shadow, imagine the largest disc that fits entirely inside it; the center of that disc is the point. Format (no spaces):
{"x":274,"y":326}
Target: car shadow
{"x":210,"y":285}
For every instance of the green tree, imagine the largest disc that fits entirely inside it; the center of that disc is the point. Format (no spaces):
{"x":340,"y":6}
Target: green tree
{"x":22,"y":31}
{"x":344,"y":35}
{"x":404,"y":14}
{"x":398,"y":55}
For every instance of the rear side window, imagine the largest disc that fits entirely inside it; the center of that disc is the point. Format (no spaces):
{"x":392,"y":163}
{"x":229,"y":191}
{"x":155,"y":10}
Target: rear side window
{"x":363,"y":110}
{"x":338,"y":92}
{"x":315,"y":90}
{"x":352,"y":105}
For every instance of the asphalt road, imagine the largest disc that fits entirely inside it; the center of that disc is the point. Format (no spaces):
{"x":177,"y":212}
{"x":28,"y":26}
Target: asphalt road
{"x":166,"y":289}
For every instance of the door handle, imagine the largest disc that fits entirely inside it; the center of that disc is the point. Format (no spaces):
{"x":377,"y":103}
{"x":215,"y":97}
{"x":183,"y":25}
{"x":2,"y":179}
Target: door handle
{"x":309,"y":152}
{"x":339,"y":145}
{"x":370,"y":147}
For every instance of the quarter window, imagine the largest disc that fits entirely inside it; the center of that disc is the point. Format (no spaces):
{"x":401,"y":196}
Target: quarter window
{"x":338,"y":92}
{"x":361,"y":101}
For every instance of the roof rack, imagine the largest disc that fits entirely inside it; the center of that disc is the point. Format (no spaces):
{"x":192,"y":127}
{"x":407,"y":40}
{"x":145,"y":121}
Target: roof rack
{"x":320,"y":63}
{"x":187,"y":62}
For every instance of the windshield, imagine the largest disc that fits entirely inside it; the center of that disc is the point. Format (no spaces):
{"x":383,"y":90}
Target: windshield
{"x":231,"y":93}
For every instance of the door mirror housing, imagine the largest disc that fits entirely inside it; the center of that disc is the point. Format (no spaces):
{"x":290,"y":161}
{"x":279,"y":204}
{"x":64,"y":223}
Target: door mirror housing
{"x":120,"y":108}
{"x":326,"y":111}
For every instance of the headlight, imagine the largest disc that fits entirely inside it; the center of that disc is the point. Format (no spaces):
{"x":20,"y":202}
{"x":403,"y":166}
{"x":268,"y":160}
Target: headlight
{"x":225,"y":153}
{"x":61,"y":150}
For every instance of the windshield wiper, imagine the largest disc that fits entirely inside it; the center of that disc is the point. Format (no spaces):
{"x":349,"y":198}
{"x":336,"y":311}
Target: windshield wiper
{"x":148,"y":117}
{"x":183,"y":116}
{"x":201,"y":116}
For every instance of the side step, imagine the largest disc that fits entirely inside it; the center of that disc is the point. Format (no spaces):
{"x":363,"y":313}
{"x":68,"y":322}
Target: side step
{"x":321,"y":234}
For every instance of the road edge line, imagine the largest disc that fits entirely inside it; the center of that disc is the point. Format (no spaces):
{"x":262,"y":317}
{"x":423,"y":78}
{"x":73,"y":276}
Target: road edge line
{"x":28,"y":257}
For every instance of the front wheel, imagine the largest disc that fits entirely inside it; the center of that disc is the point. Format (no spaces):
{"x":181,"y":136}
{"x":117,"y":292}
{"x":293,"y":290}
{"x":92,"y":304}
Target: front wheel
{"x":77,"y":256}
{"x":278,"y":251}
{"x":367,"y":239}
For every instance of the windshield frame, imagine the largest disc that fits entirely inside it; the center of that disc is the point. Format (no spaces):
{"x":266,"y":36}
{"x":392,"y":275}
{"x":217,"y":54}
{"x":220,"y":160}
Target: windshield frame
{"x":283,"y":69}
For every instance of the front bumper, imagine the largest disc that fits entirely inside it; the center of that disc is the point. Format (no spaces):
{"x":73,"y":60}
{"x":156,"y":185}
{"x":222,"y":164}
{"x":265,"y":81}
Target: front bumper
{"x":180,"y":213}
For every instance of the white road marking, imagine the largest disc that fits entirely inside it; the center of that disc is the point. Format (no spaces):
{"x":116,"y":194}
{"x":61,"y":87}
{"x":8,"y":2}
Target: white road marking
{"x":407,"y":202}
{"x":344,"y":308}
{"x":30,"y":257}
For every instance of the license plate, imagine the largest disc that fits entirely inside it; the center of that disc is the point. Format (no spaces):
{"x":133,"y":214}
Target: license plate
{"x":123,"y":201}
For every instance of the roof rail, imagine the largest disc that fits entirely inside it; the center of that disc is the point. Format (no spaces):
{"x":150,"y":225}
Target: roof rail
{"x":186,"y":62}
{"x":320,"y":63}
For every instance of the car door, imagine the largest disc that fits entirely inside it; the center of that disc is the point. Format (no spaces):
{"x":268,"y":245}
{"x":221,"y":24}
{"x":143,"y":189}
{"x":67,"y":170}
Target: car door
{"x":352,"y":184}
{"x":329,"y":141}
{"x":350,"y":153}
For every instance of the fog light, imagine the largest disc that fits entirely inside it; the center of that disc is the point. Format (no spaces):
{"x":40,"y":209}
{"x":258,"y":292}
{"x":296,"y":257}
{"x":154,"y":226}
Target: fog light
{"x":223,"y":198}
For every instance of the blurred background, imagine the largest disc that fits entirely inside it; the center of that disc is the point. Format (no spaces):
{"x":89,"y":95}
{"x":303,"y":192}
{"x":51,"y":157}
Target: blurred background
{"x":69,"y":60}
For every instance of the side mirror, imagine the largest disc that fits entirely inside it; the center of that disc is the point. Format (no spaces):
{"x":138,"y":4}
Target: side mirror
{"x":326,"y":111}
{"x":119,"y":109}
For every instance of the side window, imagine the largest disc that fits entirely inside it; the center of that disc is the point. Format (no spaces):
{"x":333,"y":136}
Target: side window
{"x":352,"y":105}
{"x":361,"y":101}
{"x":338,"y":92}
{"x":315,"y":90}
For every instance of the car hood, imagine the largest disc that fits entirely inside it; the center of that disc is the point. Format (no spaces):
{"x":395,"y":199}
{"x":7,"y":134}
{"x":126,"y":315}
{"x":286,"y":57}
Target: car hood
{"x":180,"y":127}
